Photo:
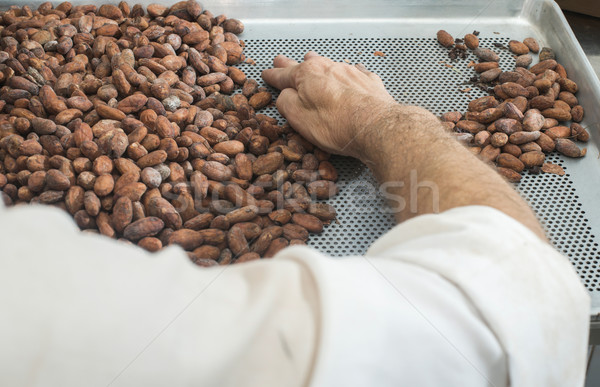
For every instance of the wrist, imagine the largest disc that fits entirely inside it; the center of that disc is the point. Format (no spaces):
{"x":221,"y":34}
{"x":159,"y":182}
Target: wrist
{"x":394,"y":130}
{"x":370,"y":126}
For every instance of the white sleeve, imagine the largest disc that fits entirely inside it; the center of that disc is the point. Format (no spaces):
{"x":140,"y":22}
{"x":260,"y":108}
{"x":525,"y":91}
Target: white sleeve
{"x":468,"y":297}
{"x":527,"y":293}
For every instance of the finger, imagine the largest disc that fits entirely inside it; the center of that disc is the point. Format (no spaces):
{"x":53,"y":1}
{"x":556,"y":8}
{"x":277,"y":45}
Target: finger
{"x":361,"y":67}
{"x":288,"y":103}
{"x":311,"y":54}
{"x":291,"y":107}
{"x":281,"y":78}
{"x":281,"y":61}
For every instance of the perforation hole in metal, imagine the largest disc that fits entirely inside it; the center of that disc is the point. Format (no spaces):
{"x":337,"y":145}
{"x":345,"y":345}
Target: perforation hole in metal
{"x":418,"y":71}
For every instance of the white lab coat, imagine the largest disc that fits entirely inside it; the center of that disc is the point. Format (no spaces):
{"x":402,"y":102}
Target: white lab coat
{"x":465,"y":298}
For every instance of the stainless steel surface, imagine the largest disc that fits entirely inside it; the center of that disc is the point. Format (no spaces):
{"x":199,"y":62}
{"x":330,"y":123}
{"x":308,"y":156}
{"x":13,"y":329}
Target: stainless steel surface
{"x":405,"y":32}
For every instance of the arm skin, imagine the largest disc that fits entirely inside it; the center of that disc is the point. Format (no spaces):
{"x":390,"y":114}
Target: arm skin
{"x":346,"y":110}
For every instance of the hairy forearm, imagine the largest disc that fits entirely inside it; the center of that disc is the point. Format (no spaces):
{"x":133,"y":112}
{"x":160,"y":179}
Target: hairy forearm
{"x":427,"y":171}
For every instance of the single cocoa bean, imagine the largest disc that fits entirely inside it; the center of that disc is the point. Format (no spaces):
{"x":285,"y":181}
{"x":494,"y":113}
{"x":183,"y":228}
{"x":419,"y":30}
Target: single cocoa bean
{"x":445,"y":39}
{"x":569,"y":148}
{"x":145,"y":227}
{"x":532,"y":159}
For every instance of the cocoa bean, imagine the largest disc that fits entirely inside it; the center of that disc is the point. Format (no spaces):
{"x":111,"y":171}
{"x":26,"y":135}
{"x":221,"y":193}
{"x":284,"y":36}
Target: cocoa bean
{"x":499,"y":139}
{"x":122,"y":214}
{"x":524,"y":137}
{"x":558,"y":132}
{"x":445,"y":39}
{"x":472,"y":127}
{"x":507,"y":160}
{"x":489,"y":153}
{"x":518,"y":48}
{"x":486,"y":116}
{"x":490,"y":75}
{"x":323,"y":211}
{"x":507,"y":125}
{"x":577,"y":113}
{"x":509,"y":174}
{"x":480,"y":104}
{"x":485,"y":66}
{"x":512,"y":149}
{"x":322,"y":189}
{"x":533,"y":120}
{"x":540,"y":68}
{"x":150,"y":244}
{"x":236,"y":241}
{"x":578,"y":132}
{"x":187,"y":239}
{"x":161,"y":208}
{"x":530,"y":147}
{"x":276,"y":246}
{"x":268,"y":163}
{"x":243,"y":214}
{"x":451,"y":117}
{"x":532,"y":159}
{"x":523,"y":60}
{"x":145,"y":227}
{"x":471,"y":41}
{"x":546,"y":143}
{"x":513,"y":90}
{"x":486,"y":55}
{"x":212,"y":236}
{"x":532,"y":44}
{"x":216,"y":171}
{"x":260,"y":100}
{"x":247,"y":257}
{"x":569,"y":148}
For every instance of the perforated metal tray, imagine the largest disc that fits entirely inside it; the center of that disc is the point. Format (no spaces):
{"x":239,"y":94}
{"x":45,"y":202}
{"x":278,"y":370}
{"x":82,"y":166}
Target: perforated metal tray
{"x":413,"y":70}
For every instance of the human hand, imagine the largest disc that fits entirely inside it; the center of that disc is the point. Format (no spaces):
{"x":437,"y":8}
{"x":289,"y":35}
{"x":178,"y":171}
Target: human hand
{"x":331,"y":104}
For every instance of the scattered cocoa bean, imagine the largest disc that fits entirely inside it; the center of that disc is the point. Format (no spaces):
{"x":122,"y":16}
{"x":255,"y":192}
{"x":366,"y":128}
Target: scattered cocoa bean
{"x":532,"y":159}
{"x":509,"y":174}
{"x":471,"y":41}
{"x":486,"y":55}
{"x":532,"y":44}
{"x":485,"y":66}
{"x":499,"y":139}
{"x":578,"y":132}
{"x":533,"y":103}
{"x":142,"y":228}
{"x":507,"y":160}
{"x":517,"y":47}
{"x":546,"y":54}
{"x":520,"y":138}
{"x":489,"y":153}
{"x":569,"y":148}
{"x":445,"y":39}
{"x":523,"y":61}
{"x":490,"y":75}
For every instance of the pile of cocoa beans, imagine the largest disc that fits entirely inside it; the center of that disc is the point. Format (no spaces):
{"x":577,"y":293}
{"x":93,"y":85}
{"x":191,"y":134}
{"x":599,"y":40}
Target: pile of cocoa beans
{"x":137,"y":123}
{"x":532,"y":111}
